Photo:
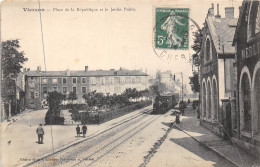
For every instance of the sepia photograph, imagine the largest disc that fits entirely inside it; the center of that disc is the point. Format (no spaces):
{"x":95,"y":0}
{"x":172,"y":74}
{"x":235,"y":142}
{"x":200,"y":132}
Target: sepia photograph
{"x":102,"y":83}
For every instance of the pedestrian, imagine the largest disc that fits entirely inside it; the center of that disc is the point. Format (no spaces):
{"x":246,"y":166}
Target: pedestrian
{"x":78,"y":131}
{"x":84,"y":129}
{"x":198,"y":111}
{"x":40,"y":133}
{"x":182,"y":107}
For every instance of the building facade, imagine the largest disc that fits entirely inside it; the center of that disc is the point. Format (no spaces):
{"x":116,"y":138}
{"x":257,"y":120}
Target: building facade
{"x":246,"y":129}
{"x":39,"y":83}
{"x":12,"y":96}
{"x":217,"y":72}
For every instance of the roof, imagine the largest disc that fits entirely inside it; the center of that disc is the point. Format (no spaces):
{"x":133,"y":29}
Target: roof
{"x":96,"y":73}
{"x":222,"y":31}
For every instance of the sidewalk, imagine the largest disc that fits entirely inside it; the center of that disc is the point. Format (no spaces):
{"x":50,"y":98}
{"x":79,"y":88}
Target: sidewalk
{"x":14,"y":118}
{"x":190,"y":125}
{"x":19,"y":139}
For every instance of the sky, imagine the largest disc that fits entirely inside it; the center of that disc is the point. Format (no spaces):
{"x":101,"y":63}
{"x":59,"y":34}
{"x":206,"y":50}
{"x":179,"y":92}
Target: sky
{"x":98,"y":39}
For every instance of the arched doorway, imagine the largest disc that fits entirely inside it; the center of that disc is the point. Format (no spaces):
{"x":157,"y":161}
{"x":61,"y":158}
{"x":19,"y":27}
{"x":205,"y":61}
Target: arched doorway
{"x":245,"y":103}
{"x":209,"y":99}
{"x":204,"y":99}
{"x":215,"y":99}
{"x":256,"y":99}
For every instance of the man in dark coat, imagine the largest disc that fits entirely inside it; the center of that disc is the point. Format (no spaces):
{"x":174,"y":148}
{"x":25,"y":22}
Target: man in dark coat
{"x":84,"y":129}
{"x":78,"y":131}
{"x":40,"y":133}
{"x":182,"y":107}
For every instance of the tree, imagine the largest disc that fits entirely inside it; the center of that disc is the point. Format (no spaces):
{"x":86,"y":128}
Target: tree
{"x":197,"y":43}
{"x":72,"y":96}
{"x":12,"y":59}
{"x":90,"y":98}
{"x":53,"y":114}
{"x":194,"y":82}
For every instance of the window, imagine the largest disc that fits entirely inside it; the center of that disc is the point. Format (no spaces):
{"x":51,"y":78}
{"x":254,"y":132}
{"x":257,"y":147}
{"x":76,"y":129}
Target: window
{"x":246,"y":97}
{"x":54,"y":80}
{"x":44,"y":80}
{"x":83,"y":80}
{"x":44,"y":89}
{"x":133,"y":80}
{"x":74,"y":80}
{"x":74,"y":89}
{"x":84,"y":90}
{"x":102,"y":81}
{"x":122,"y":80}
{"x":111,"y":80}
{"x":207,"y":50}
{"x":64,"y":89}
{"x":253,"y":21}
{"x":64,"y":80}
{"x":117,"y":80}
{"x":93,"y":81}
{"x":32,"y":95}
{"x":55,"y":88}
{"x":138,"y":79}
{"x":128,"y":80}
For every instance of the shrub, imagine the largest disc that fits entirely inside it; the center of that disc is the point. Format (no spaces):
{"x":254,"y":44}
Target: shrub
{"x":53,"y":118}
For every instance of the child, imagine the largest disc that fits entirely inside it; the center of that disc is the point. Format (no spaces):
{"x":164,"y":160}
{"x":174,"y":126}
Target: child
{"x":78,"y":131}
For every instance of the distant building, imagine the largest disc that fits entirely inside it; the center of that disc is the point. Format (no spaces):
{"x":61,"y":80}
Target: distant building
{"x":168,"y":78}
{"x":39,"y":83}
{"x":217,"y":72}
{"x":246,"y":117}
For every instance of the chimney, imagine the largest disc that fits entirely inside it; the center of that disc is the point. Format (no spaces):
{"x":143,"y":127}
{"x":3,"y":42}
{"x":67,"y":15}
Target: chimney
{"x":211,"y":11}
{"x":28,"y":69}
{"x":38,"y":68}
{"x":68,"y":72}
{"x":229,"y":12}
{"x":86,"y":68}
{"x":218,"y":16}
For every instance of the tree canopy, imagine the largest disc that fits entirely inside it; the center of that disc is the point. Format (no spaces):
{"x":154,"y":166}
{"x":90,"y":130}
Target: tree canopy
{"x":72,"y":96}
{"x":194,"y":82}
{"x":12,"y":59}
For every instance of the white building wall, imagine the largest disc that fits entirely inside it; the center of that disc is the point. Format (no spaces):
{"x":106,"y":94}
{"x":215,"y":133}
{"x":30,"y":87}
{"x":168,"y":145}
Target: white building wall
{"x":221,"y":78}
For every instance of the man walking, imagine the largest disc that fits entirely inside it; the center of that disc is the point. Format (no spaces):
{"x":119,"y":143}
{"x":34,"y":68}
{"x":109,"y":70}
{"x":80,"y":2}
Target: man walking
{"x":40,"y":133}
{"x":84,"y":129}
{"x":78,"y":131}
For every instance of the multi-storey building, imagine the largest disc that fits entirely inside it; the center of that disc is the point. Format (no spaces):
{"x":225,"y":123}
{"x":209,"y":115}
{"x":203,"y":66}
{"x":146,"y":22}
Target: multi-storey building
{"x":246,"y":120}
{"x":217,"y":71}
{"x":39,"y":83}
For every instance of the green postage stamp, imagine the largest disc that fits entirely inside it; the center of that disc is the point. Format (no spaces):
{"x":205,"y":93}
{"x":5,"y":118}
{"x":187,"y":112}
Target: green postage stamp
{"x":171,"y":28}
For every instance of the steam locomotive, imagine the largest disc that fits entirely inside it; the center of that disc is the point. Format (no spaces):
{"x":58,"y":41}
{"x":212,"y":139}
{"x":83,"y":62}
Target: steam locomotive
{"x":163,"y":103}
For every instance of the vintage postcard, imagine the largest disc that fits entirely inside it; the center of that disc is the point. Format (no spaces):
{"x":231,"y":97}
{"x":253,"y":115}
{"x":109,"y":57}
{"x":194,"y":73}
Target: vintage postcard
{"x":130,"y":83}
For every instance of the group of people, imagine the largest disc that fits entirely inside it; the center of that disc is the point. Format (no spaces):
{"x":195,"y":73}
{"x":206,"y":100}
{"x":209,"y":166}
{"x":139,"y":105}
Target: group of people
{"x":40,"y":132}
{"x":84,"y":130}
{"x":182,"y":106}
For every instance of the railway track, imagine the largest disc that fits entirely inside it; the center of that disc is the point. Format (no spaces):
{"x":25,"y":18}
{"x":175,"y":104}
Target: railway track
{"x":90,"y":151}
